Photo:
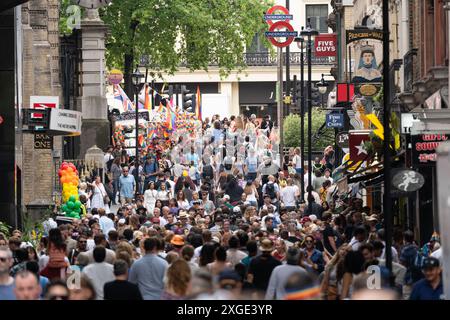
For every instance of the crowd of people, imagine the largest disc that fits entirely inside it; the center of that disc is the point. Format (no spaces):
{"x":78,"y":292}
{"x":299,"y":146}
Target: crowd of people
{"x":226,"y":223}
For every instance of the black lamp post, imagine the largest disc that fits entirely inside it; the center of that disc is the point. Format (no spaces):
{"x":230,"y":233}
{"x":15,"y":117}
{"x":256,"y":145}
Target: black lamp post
{"x":322,"y":85}
{"x":137,"y":76}
{"x":309,"y":32}
{"x":300,"y":41}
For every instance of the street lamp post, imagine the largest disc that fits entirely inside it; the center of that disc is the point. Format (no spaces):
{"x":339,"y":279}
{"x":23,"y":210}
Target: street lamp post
{"x":137,"y":76}
{"x":300,"y":41}
{"x":309,"y":32}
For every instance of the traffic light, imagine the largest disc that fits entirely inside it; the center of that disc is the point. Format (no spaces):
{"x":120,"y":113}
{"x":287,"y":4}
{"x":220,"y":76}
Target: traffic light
{"x":188,"y":99}
{"x":169,"y":92}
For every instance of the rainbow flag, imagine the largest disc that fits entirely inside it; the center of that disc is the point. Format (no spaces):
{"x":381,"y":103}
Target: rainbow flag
{"x":147,"y":104}
{"x":198,"y":105}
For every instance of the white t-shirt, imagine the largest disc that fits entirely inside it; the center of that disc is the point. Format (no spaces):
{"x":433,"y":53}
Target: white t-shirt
{"x":287,"y":195}
{"x":107,"y":157}
{"x":298,"y":161}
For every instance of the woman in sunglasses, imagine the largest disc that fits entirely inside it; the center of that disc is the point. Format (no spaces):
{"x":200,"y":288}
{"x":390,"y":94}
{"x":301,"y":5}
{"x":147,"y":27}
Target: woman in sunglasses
{"x":313,"y":258}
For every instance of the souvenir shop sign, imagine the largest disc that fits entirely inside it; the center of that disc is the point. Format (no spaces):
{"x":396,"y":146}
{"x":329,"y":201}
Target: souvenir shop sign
{"x":355,"y":35}
{"x":131,"y":115}
{"x":424,"y":148}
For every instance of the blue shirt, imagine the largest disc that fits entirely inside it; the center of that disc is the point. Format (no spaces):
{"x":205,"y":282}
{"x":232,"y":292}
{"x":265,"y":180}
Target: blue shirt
{"x":422,"y":290}
{"x":192,"y":157}
{"x":252,"y":164}
{"x":126,"y":186}
{"x":150,"y":168}
{"x":148,"y":273}
{"x":7,"y":292}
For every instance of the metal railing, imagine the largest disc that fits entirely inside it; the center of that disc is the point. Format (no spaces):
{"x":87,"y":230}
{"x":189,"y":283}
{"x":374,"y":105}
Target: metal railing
{"x":266,"y":59}
{"x":263,"y":59}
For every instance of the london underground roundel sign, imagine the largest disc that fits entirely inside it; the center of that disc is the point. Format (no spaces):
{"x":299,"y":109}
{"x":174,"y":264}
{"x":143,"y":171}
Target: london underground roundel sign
{"x":273,"y":34}
{"x":271,"y":15}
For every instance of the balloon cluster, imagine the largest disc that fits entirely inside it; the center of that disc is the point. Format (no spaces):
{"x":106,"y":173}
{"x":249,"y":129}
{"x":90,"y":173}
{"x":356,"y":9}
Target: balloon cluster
{"x":68,"y":175}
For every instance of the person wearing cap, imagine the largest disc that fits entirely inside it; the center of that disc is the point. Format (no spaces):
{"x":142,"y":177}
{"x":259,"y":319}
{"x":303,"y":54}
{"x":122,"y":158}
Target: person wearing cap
{"x":281,"y":274}
{"x":431,"y":287}
{"x":267,"y":168}
{"x":231,"y":282}
{"x":261,"y":267}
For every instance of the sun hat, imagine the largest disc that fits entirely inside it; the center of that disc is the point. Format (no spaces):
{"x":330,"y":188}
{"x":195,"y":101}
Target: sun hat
{"x":266,"y":245}
{"x":177,"y":240}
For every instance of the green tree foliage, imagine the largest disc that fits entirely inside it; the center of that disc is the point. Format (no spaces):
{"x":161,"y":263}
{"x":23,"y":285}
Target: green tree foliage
{"x":291,"y":134}
{"x":196,"y":33}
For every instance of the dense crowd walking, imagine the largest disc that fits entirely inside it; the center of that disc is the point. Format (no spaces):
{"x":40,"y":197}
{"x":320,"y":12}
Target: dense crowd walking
{"x":226,"y":222}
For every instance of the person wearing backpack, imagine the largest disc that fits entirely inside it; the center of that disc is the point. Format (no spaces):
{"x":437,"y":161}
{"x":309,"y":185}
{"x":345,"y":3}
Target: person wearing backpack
{"x":251,"y":165}
{"x":108,"y":158}
{"x":411,"y":258}
{"x":272,"y":190}
{"x":208,"y":171}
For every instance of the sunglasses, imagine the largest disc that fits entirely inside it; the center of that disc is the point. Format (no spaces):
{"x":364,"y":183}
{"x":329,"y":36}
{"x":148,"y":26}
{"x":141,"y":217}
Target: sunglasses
{"x":61,"y":297}
{"x":82,"y":241}
{"x":309,"y":241}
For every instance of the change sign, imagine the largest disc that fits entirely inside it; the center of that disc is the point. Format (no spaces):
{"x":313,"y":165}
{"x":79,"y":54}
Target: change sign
{"x":325,"y":45}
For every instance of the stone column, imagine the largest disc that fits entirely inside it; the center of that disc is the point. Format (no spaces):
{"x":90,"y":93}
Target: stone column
{"x":95,"y":127}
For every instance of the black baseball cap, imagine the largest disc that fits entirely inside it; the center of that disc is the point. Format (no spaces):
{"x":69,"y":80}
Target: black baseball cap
{"x":430,"y":262}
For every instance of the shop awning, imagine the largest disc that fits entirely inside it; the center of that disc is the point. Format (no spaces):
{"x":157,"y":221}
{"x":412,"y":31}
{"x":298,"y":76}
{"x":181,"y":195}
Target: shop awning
{"x":8,"y":4}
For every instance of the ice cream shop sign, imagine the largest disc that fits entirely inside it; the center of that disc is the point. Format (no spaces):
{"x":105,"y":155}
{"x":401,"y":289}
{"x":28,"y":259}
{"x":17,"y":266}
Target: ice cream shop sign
{"x":424,"y":148}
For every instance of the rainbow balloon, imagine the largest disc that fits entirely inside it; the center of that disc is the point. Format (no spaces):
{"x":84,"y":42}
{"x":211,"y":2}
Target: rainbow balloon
{"x":68,"y":176}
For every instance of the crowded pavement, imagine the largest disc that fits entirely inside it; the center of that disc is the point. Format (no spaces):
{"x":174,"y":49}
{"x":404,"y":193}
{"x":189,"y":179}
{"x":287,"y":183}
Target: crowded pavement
{"x":215,"y":217}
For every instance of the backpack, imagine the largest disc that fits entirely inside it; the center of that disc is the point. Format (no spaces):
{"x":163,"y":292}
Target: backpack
{"x":270,"y":190}
{"x":109,"y":163}
{"x":208,"y":172}
{"x":413,"y":259}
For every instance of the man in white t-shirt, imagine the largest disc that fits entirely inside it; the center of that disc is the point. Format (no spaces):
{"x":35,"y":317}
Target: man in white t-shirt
{"x":108,"y":155}
{"x":289,"y":195}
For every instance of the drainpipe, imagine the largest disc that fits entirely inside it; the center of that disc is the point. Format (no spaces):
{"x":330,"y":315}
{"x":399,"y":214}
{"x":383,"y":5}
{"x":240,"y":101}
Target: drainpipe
{"x":405,"y":34}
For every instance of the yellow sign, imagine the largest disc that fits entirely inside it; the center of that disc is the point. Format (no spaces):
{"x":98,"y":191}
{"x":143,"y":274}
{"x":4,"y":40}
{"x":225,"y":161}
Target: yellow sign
{"x":350,"y":163}
{"x":379,"y":130}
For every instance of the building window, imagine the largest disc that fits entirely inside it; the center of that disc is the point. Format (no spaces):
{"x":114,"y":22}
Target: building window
{"x":257,"y":45}
{"x":319,"y":15}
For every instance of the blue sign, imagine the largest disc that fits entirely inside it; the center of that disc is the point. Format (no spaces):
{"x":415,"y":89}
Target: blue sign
{"x":335,"y":120}
{"x":278,"y":17}
{"x":279,"y":34}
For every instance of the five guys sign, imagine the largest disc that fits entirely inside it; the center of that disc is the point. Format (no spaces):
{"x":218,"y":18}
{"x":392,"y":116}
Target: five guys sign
{"x":325,"y":45}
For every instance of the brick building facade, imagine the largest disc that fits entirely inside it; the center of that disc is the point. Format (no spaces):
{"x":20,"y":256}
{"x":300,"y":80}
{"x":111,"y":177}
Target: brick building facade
{"x":41,"y":77}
